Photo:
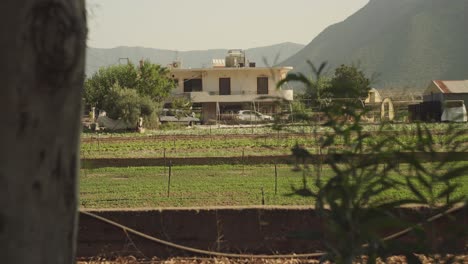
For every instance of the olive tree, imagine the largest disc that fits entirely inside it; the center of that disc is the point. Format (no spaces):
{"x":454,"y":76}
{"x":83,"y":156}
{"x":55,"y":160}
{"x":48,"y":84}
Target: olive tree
{"x":98,"y":86}
{"x":127,"y":104}
{"x":147,"y":79}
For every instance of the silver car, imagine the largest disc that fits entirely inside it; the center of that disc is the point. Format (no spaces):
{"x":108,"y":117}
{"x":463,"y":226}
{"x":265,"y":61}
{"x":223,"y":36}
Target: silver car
{"x":178,"y":117}
{"x":252,"y":116}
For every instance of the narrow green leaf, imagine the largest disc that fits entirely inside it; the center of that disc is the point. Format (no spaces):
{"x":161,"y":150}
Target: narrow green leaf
{"x":415,"y":191}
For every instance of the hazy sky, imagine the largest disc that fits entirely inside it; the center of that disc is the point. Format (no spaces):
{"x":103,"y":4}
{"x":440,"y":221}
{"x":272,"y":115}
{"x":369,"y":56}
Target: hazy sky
{"x":207,"y":24}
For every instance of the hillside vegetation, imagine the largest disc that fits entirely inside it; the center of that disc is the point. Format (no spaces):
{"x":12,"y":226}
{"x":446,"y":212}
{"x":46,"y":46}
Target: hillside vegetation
{"x":405,"y":44}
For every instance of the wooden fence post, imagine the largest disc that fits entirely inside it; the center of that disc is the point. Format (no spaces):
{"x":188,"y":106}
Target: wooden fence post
{"x":165,"y":164}
{"x":243,"y":162}
{"x":263,"y":197}
{"x":276,"y":179}
{"x":169,"y":179}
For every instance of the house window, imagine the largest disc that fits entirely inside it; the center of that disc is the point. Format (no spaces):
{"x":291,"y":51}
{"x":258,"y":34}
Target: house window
{"x":193,"y":85}
{"x":262,"y":85}
{"x":224,"y":86}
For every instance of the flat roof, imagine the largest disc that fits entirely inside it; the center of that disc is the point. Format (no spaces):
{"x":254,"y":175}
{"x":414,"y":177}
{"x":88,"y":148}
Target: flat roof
{"x":288,"y":68}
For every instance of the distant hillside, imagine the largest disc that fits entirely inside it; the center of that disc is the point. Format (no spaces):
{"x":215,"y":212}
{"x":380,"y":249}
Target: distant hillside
{"x":406,"y":43}
{"x":97,"y":58}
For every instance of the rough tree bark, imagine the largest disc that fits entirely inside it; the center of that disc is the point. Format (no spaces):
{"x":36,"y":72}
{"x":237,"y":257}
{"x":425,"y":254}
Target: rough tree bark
{"x":42,"y":48}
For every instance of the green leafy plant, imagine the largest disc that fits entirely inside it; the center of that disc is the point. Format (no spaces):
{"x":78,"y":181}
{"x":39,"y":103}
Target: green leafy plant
{"x":363,"y":168}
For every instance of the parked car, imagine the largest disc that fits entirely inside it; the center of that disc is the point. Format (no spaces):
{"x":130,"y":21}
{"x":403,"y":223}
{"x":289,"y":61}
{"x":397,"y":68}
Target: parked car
{"x":177,"y":117}
{"x":252,"y":116}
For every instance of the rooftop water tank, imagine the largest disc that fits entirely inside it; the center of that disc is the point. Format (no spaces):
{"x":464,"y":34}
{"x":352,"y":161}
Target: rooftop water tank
{"x":235,"y":58}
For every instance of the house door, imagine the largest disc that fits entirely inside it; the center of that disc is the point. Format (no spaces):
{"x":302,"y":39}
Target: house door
{"x":224,"y":86}
{"x":262,"y":85}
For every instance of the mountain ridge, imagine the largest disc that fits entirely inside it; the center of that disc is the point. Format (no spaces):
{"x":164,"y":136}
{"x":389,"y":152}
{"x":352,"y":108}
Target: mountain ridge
{"x":99,"y":57}
{"x":407,"y":43}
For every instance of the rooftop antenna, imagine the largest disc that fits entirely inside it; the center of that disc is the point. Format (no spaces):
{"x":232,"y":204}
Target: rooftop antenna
{"x":176,"y":63}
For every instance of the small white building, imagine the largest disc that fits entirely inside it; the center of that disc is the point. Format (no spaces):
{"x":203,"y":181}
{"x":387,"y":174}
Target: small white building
{"x":452,"y":96}
{"x":236,"y":85}
{"x":446,"y":90}
{"x":373,"y":97}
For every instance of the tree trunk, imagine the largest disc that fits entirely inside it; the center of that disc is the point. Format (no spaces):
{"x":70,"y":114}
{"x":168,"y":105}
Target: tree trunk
{"x":42,"y":48}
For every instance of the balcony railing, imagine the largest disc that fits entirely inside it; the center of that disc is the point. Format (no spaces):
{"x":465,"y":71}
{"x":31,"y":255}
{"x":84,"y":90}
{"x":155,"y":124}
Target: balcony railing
{"x":285,"y":94}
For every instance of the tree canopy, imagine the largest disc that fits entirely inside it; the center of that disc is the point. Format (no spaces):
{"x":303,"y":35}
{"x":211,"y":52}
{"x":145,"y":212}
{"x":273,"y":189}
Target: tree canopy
{"x":128,"y":91}
{"x":127,"y":104}
{"x":315,"y":87}
{"x":153,"y":81}
{"x":97,"y":88}
{"x":349,"y":82}
{"x":147,"y":79}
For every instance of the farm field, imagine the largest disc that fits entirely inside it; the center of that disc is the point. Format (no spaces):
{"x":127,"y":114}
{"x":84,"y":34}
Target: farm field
{"x":222,"y":130}
{"x":224,"y":142}
{"x":197,"y":186}
{"x":234,"y":169}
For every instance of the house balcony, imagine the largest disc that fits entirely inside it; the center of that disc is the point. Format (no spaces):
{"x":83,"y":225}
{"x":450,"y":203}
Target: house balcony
{"x":237,"y":97}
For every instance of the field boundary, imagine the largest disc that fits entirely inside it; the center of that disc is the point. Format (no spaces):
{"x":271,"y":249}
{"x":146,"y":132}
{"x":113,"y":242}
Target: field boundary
{"x":247,"y":231}
{"x":247,"y":160}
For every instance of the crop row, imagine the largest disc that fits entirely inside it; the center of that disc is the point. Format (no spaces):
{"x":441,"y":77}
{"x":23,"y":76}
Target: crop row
{"x":226,"y":146}
{"x":204,"y":185}
{"x":261,"y":130}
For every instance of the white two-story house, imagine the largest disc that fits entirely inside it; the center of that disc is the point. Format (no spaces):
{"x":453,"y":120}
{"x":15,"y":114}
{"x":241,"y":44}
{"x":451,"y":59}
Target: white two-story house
{"x":232,"y":84}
